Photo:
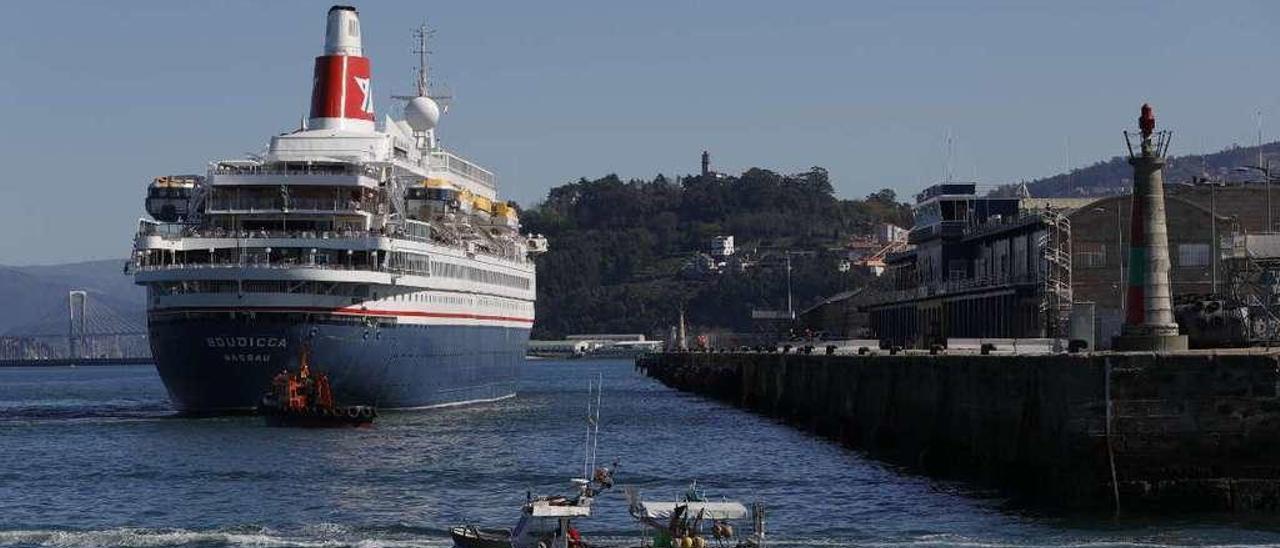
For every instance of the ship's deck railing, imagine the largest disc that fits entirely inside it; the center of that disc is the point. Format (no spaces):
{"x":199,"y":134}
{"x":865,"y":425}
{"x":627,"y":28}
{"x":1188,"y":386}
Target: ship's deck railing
{"x":351,"y":263}
{"x":462,"y":167}
{"x":177,"y":231}
{"x":295,"y":169}
{"x":281,"y":265}
{"x":266,"y":205}
{"x":414,"y":231}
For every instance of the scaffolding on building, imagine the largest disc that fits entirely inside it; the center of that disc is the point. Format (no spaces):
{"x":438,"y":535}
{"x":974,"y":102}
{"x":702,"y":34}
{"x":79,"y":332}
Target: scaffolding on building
{"x":1056,"y":300}
{"x":1251,"y":263}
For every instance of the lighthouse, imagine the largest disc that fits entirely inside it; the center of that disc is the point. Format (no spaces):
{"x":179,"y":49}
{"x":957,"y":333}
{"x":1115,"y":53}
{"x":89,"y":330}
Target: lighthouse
{"x":1148,"y":322}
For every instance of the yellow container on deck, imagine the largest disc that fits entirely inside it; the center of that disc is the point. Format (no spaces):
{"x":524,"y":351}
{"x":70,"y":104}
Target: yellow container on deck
{"x":505,"y":210}
{"x":436,"y":183}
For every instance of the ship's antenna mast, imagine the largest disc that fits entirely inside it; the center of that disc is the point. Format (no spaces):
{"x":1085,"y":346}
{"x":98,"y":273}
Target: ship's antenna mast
{"x":422,"y":34}
{"x":593,"y":425}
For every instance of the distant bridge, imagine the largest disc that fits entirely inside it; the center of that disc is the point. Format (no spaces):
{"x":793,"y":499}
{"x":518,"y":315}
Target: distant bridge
{"x":66,"y":362}
{"x":84,"y":332}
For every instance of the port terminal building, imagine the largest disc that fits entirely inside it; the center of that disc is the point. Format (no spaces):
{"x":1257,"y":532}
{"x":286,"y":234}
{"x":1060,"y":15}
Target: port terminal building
{"x":976,"y":266}
{"x":1020,"y":267}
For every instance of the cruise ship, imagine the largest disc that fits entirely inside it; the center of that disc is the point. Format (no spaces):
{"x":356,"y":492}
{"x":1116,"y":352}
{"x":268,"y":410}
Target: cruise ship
{"x":389,"y":259}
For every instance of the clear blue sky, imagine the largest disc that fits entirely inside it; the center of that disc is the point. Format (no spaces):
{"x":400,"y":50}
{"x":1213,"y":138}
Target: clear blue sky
{"x":99,"y":97}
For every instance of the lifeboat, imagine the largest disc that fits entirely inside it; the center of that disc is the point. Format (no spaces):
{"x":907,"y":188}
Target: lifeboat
{"x":169,"y":197}
{"x":504,"y":214}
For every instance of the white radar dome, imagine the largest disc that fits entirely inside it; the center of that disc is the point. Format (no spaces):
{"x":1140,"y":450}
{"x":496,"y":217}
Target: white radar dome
{"x":422,"y":113}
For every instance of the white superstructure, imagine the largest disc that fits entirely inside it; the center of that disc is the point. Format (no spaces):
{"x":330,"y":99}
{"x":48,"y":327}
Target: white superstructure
{"x":332,"y":210}
{"x":343,"y":218}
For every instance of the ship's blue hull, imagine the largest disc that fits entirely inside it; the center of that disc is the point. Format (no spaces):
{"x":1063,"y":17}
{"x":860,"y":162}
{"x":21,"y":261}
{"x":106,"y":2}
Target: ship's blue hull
{"x":213,"y":363}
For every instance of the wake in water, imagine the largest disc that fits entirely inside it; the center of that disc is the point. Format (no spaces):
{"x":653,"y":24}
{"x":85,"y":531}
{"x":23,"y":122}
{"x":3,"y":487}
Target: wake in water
{"x":336,"y":536}
{"x":320,"y":536}
{"x":71,"y":409}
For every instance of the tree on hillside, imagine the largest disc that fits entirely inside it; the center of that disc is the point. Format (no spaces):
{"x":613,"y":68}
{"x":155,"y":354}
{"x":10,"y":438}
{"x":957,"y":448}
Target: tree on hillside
{"x":617,"y":247}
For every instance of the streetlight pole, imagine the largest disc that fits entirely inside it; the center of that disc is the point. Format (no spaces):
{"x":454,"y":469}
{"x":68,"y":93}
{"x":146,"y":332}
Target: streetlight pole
{"x":1119,"y":252}
{"x":1213,"y":233}
{"x":1265,"y":169}
{"x":1120,"y":255}
{"x":790,"y":311}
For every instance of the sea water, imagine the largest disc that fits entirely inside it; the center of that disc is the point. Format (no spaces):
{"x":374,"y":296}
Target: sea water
{"x":94,"y":456}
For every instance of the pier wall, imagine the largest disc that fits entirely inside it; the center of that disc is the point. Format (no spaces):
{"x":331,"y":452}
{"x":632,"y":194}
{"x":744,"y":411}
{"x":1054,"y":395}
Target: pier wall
{"x":1194,"y":431}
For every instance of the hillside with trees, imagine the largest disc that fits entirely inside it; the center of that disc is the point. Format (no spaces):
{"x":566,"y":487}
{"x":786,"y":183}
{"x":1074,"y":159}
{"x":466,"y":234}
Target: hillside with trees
{"x":1114,"y":176}
{"x":618,"y":248}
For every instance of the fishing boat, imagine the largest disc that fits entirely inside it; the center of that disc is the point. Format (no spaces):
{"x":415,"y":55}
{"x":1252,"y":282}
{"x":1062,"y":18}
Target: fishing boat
{"x":692,"y":520}
{"x":468,"y":536}
{"x":548,"y":521}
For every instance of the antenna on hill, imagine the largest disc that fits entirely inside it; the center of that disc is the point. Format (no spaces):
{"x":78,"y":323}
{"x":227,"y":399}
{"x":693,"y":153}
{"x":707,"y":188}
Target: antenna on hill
{"x":1066,"y":143}
{"x":1204,"y":160}
{"x":949,"y":175}
{"x":1260,"y":139}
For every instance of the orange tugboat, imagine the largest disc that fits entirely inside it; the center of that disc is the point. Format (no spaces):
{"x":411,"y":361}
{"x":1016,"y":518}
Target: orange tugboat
{"x":306,"y":399}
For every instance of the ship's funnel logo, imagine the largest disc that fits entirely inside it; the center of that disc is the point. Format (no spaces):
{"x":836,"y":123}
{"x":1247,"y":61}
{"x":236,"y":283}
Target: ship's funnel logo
{"x":342,"y":88}
{"x":366,"y":105}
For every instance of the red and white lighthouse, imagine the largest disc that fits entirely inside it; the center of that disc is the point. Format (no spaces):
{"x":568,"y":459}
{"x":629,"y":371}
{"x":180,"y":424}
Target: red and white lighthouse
{"x":341,"y":93}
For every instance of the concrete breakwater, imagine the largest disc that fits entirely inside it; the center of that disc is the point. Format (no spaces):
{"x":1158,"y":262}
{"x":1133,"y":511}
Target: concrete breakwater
{"x":1192,"y":431}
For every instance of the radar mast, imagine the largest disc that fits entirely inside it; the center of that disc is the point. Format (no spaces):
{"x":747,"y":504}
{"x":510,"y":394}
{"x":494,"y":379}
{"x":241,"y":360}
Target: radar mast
{"x":423,"y":109}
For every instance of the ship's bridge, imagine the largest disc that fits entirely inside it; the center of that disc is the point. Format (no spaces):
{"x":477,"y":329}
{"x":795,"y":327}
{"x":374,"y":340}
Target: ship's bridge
{"x":299,"y":195}
{"x":336,"y":146}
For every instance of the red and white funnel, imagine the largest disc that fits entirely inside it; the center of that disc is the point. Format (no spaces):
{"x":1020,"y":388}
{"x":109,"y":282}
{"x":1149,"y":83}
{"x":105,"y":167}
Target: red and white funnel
{"x":341,"y":94}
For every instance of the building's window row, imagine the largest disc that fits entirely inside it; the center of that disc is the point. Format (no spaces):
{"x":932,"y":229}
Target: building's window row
{"x":1094,"y":255}
{"x":1194,"y":255}
{"x":1091,"y":254}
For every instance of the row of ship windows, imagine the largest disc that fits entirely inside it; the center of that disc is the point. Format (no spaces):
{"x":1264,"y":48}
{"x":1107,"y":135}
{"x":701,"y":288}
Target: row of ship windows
{"x":260,"y":286}
{"x":395,"y":261}
{"x":450,"y":270}
{"x":422,"y":264}
{"x":321,"y":288}
{"x":489,"y":302}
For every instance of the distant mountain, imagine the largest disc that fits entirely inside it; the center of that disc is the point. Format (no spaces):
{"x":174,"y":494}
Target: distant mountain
{"x":1115,"y":176}
{"x":37,"y":295}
